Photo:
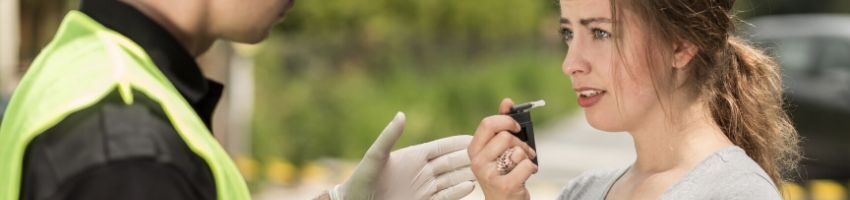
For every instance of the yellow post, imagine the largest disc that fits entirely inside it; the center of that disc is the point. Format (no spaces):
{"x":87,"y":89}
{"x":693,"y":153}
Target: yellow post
{"x":827,"y":190}
{"x":792,"y":191}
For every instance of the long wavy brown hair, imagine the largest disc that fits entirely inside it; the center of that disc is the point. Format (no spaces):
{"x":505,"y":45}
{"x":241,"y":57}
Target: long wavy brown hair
{"x":741,"y":84}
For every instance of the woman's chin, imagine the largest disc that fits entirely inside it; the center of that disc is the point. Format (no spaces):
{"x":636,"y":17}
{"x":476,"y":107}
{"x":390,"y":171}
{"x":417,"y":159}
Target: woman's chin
{"x":604,"y":123}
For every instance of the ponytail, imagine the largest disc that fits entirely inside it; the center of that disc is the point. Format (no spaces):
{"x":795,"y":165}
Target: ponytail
{"x":746,"y":102}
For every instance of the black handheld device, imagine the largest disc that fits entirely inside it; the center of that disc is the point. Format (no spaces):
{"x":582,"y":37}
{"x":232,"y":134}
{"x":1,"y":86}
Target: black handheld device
{"x":521,"y":114}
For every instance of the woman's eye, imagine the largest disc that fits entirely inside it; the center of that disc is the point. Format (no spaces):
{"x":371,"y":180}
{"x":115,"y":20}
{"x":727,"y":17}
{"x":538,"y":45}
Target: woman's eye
{"x":600,"y":34}
{"x":566,"y":34}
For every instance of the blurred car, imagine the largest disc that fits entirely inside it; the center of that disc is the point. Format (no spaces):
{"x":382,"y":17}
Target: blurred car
{"x":814,"y":53}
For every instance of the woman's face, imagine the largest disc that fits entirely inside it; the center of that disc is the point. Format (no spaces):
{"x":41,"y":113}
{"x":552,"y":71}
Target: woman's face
{"x":247,"y":21}
{"x":615,"y":90}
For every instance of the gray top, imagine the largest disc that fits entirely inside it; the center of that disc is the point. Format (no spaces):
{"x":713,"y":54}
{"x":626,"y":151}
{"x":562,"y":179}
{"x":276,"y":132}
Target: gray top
{"x":727,"y":174}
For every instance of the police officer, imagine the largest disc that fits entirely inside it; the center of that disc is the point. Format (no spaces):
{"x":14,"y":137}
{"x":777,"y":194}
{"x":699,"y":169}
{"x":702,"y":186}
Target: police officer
{"x":115,"y":107}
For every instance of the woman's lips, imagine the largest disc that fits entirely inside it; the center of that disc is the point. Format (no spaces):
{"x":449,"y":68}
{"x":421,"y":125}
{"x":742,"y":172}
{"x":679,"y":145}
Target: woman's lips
{"x":589,"y":97}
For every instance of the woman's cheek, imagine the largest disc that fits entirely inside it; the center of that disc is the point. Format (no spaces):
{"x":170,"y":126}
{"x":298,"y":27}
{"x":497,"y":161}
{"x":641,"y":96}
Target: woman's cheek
{"x":639,"y":98}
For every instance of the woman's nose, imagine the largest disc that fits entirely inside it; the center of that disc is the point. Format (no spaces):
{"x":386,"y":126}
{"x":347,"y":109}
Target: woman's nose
{"x":575,"y":62}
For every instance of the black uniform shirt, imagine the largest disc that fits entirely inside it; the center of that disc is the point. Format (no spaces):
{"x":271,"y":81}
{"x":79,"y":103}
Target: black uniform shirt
{"x":116,"y":151}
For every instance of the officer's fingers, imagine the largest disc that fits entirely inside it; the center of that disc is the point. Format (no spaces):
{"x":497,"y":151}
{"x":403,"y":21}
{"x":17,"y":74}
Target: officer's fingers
{"x":488,"y":128}
{"x":382,"y":146}
{"x":375,"y":158}
{"x":452,"y":178}
{"x":441,"y":147}
{"x":505,"y":106}
{"x":522,"y":172}
{"x":449,"y":162}
{"x":455,"y":192}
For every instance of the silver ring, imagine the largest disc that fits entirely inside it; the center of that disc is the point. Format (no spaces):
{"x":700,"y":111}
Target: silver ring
{"x":504,"y":164}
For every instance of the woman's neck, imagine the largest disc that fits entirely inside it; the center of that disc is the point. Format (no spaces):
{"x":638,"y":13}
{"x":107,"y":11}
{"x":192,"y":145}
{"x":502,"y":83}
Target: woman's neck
{"x":185,"y":20}
{"x":678,"y":141}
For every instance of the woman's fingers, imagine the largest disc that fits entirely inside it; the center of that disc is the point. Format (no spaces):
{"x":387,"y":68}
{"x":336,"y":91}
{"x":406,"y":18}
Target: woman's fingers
{"x":521,"y":172}
{"x":488,"y":128}
{"x":509,"y":159}
{"x":492,"y":169}
{"x":517,"y":156}
{"x":505,"y":106}
{"x":491,"y":125}
{"x":501,"y":143}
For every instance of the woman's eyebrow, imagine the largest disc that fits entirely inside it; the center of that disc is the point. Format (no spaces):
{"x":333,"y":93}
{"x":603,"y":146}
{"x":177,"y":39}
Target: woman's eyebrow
{"x":587,"y":21}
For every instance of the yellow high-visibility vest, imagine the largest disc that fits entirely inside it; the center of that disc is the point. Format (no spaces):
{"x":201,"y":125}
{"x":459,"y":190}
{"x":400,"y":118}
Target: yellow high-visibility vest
{"x":84,"y":63}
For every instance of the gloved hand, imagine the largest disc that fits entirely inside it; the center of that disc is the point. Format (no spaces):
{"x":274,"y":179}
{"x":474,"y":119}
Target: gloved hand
{"x":433,"y":170}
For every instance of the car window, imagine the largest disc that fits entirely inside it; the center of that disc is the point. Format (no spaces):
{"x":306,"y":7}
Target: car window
{"x":792,"y":53}
{"x":836,"y":53}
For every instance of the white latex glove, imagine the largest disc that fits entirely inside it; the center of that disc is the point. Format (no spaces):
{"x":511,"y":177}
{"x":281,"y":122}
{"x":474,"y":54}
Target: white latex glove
{"x":435,"y":170}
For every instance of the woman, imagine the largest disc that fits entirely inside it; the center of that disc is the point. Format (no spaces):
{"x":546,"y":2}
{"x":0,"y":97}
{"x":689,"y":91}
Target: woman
{"x":703,"y":107}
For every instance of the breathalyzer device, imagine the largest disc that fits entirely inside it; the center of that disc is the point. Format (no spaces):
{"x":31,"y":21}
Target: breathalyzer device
{"x":521,"y":114}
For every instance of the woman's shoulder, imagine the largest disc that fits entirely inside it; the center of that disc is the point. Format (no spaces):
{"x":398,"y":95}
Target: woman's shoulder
{"x":729,"y":173}
{"x":591,"y":184}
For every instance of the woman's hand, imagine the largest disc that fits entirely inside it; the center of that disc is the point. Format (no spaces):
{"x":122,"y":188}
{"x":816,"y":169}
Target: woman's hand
{"x":500,"y":161}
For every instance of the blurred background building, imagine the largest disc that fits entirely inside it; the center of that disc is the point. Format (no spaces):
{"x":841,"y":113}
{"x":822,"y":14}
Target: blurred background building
{"x":303,"y":106}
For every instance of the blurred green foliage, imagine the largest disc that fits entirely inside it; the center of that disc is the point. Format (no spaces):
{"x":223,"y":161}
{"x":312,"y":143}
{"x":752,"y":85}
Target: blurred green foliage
{"x":324,"y":113}
{"x":336,"y":71}
{"x":382,"y":33}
